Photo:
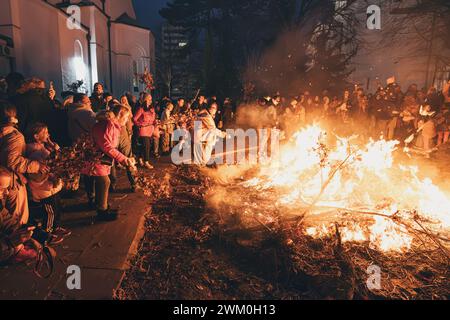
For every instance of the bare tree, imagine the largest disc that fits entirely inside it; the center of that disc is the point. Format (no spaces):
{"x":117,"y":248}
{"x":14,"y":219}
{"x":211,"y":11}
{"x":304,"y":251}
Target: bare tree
{"x":424,"y":28}
{"x":165,"y":73}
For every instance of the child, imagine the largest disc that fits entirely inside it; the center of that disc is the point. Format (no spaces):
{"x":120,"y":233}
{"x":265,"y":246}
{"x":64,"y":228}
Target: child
{"x":44,"y":188}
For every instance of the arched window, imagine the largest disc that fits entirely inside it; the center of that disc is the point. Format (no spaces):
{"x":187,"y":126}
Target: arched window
{"x":78,"y":61}
{"x":135,"y":76}
{"x":138,"y":65}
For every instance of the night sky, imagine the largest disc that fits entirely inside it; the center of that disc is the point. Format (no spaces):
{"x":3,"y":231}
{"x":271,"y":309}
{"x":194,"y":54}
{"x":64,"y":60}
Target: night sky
{"x":147,"y":12}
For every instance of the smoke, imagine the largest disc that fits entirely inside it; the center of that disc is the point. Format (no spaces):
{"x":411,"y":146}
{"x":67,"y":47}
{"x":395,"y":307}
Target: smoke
{"x":280,"y":67}
{"x":249,"y":116}
{"x":307,"y":54}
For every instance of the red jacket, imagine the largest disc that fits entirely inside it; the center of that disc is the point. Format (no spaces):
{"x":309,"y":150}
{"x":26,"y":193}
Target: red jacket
{"x":145,"y":121}
{"x":106,"y":135}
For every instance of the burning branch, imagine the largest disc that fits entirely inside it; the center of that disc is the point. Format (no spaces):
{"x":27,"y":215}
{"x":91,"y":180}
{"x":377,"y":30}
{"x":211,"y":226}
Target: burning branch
{"x":327,"y":182}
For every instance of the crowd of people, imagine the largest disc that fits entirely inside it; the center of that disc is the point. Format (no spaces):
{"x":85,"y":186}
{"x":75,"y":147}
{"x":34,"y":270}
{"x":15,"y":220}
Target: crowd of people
{"x":389,"y":113}
{"x":132,"y":131}
{"x":35,"y":126}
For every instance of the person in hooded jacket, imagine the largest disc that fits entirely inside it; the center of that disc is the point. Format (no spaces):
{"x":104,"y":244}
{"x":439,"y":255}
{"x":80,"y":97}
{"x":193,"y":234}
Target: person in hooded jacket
{"x":81,"y":117}
{"x":106,"y":136}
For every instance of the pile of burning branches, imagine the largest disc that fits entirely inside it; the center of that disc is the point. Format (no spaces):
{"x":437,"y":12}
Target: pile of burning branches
{"x":322,"y":214}
{"x":319,"y":224}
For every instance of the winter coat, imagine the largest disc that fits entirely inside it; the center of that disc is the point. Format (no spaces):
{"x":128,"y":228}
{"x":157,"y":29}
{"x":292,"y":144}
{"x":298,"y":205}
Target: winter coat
{"x":106,"y":136}
{"x":81,"y":119}
{"x":129,"y":126}
{"x":208,"y":131}
{"x":125,"y":145}
{"x":428,"y":125}
{"x":270,"y":116}
{"x":12,"y":153}
{"x":429,"y":129}
{"x":167,"y":122}
{"x":382,"y":109}
{"x":145,"y":120}
{"x":41,"y":186}
{"x":97,"y":102}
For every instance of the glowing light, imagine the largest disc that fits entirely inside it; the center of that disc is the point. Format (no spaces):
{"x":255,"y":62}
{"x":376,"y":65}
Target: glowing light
{"x":79,"y":67}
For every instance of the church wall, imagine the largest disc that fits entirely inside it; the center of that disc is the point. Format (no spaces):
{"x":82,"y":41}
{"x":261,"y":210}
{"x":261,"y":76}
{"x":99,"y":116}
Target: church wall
{"x":46,"y":47}
{"x":130,"y":44}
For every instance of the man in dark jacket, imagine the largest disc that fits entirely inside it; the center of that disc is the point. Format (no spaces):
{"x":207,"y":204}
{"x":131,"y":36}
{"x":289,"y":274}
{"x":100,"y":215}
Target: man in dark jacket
{"x":200,"y":104}
{"x":434,"y":99}
{"x":98,"y":98}
{"x":381,"y":110}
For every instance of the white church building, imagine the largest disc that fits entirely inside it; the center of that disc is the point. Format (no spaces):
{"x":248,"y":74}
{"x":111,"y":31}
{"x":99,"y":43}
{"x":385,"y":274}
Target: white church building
{"x":69,"y":40}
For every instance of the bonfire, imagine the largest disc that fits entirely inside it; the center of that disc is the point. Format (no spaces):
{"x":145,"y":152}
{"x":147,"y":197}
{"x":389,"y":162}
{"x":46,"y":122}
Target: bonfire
{"x":348,"y":196}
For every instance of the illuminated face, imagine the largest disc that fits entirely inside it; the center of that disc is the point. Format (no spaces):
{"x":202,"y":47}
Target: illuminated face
{"x":42,"y":136}
{"x":99,"y":89}
{"x":5,"y":182}
{"x":124,"y":100}
{"x":213,"y":110}
{"x":148,"y":99}
{"x":181,"y":103}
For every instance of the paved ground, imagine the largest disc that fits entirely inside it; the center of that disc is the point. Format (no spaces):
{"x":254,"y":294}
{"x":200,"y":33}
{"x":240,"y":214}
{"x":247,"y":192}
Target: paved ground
{"x":100,"y":250}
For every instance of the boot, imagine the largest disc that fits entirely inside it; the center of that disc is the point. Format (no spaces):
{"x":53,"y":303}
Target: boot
{"x":148,"y":165}
{"x":107,"y":215}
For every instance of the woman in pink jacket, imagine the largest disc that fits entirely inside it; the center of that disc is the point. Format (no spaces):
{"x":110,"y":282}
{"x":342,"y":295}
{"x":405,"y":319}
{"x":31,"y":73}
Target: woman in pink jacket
{"x":145,"y":120}
{"x":106,"y":134}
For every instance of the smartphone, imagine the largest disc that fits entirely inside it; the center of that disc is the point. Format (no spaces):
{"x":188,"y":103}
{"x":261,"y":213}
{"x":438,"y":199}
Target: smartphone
{"x":52,"y":87}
